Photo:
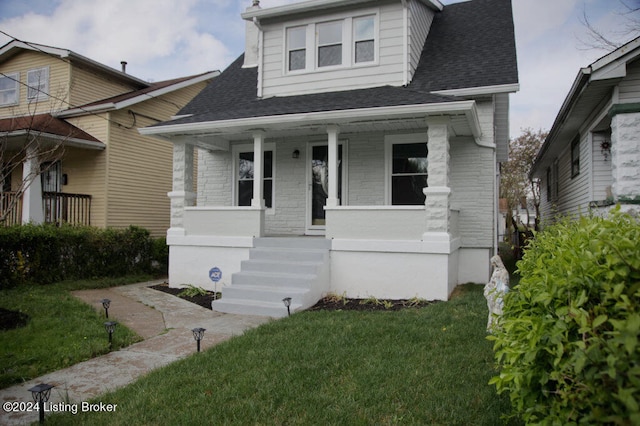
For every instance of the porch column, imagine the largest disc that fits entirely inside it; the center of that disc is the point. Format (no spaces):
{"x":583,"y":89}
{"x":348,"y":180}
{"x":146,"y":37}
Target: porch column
{"x":332,"y":196}
{"x":32,"y":204}
{"x":625,"y":153}
{"x":182,"y":194}
{"x":258,"y":170}
{"x":438,"y":192}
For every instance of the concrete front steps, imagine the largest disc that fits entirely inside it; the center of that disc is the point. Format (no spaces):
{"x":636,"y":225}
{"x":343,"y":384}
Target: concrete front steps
{"x":277,"y":268}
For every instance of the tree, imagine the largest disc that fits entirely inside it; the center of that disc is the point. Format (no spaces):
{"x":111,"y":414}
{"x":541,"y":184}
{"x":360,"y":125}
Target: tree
{"x":516,"y":186}
{"x":627,"y":29}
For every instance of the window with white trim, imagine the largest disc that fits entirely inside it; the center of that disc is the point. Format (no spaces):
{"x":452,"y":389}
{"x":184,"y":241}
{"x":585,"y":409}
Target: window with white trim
{"x":344,"y":42}
{"x":244,"y":177}
{"x":38,"y":84}
{"x":9,"y":89}
{"x":364,"y":39}
{"x":297,"y":48}
{"x":406,"y":169}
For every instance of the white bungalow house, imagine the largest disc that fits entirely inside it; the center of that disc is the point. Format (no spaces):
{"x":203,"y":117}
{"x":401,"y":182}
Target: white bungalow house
{"x":352,"y":149}
{"x":591,"y":158}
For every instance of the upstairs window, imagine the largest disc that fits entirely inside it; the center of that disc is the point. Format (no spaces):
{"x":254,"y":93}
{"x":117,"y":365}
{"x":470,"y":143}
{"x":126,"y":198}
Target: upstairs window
{"x":9,"y":89}
{"x":329,"y":43}
{"x":364,"y":39}
{"x":38,"y":84}
{"x":297,"y":48}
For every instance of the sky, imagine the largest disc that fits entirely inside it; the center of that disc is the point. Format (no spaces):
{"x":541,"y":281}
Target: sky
{"x":163,"y":39}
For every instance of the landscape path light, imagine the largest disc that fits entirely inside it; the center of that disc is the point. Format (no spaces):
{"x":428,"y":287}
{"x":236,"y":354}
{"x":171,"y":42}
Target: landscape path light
{"x":105,"y":305}
{"x":40,"y":394}
{"x":110,"y":326}
{"x":287,"y":303}
{"x":198,"y":333}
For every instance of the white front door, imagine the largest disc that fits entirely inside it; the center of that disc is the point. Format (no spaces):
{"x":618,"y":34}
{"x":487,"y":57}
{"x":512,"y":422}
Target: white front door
{"x":318,"y":184}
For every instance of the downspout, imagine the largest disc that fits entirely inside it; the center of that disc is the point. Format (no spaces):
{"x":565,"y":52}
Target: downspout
{"x":405,"y":43}
{"x":260,"y":37}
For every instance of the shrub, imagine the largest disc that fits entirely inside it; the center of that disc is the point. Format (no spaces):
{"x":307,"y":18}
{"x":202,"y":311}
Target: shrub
{"x":568,"y":344}
{"x":44,"y":254}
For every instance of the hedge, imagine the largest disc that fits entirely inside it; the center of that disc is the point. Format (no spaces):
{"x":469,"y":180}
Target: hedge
{"x":43,"y":254}
{"x":568,"y":345}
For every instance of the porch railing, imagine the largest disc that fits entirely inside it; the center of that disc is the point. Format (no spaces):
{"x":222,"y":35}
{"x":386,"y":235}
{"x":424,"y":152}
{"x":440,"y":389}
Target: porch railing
{"x":10,"y":208}
{"x":74,"y":209}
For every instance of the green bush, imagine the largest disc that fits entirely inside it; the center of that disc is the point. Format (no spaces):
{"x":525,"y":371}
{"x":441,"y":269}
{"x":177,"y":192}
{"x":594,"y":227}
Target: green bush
{"x":43,"y":254}
{"x":568,"y":344}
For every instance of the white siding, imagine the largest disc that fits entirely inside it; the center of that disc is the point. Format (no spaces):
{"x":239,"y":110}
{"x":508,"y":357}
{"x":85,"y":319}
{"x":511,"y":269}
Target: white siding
{"x":573,"y":192}
{"x":387,"y":71}
{"x":502,"y":126}
{"x":629,"y":88}
{"x":420,"y":20}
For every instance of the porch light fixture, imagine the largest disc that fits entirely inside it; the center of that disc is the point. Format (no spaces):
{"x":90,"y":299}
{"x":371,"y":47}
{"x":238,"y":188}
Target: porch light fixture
{"x":105,"y":305}
{"x":605,"y":149}
{"x":287,"y":303}
{"x":198,"y":333}
{"x":40,"y":394}
{"x":110,"y":326}
{"x":296,"y":154}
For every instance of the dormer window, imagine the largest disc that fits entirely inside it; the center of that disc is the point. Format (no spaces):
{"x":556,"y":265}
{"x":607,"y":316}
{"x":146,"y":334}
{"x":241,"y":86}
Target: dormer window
{"x":329,"y":43}
{"x":38,"y":84}
{"x":364,"y":38}
{"x":9,"y":89}
{"x":297,"y":48}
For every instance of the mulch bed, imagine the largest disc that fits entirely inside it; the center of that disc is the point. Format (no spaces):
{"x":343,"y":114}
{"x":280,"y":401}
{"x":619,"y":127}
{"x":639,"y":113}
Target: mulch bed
{"x":331,"y":303}
{"x":12,"y":319}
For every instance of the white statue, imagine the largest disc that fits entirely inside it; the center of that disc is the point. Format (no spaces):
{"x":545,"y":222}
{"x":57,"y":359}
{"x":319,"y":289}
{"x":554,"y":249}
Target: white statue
{"x":495,"y":290}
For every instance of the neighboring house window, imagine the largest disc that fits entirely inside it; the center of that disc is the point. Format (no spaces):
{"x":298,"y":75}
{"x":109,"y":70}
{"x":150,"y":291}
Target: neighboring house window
{"x":329,"y":43}
{"x":364,"y":39}
{"x":575,"y":157}
{"x":245,"y":178}
{"x":297,"y":48}
{"x":51,"y":176}
{"x":38,"y":84}
{"x":549,"y":183}
{"x":9,"y":89}
{"x":409,"y":165}
{"x":553,"y":181}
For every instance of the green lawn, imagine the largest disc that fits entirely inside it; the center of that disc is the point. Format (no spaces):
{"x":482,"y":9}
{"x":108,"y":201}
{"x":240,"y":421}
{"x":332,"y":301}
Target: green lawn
{"x":417,"y":366}
{"x":61,"y":330}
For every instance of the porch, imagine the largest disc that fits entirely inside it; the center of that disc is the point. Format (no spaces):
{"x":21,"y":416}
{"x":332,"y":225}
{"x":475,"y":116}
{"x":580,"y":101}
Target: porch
{"x":57,"y":207}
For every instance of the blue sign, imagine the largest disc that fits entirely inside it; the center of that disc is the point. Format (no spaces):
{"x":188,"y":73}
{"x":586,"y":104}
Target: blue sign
{"x":215,"y":274}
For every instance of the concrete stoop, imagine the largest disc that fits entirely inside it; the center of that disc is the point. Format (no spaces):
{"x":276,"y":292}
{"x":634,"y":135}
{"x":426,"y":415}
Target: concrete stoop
{"x":277,"y":268}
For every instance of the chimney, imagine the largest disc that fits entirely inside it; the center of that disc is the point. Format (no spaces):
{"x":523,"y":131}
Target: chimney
{"x":252,"y":36}
{"x":124,"y":66}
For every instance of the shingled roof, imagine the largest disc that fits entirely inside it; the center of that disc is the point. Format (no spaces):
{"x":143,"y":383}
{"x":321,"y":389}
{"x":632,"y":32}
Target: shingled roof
{"x":470,"y":45}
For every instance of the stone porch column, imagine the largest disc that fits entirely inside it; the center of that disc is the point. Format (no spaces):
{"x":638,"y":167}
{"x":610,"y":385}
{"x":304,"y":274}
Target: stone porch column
{"x":182,"y":194}
{"x":625,"y":154}
{"x":332,"y":197}
{"x":438,"y":192}
{"x":258,"y":170}
{"x":32,"y":205}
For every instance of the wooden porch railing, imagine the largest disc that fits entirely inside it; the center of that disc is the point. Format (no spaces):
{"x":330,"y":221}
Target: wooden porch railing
{"x":10,"y":208}
{"x":74,"y":209}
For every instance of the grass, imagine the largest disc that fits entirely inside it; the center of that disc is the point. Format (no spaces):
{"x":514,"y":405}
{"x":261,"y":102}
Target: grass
{"x":61,"y":331}
{"x":416,"y":366}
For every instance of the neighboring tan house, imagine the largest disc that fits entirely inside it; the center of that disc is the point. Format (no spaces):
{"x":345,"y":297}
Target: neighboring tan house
{"x":591,"y":158}
{"x":105,"y":173}
{"x":367,"y":132}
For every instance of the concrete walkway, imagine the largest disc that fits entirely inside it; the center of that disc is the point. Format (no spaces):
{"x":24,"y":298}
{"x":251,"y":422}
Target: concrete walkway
{"x":163,"y":320}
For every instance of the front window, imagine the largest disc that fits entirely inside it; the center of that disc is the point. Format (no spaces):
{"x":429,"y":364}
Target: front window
{"x":329,"y":43}
{"x":38,"y":84}
{"x":9,"y":89}
{"x":364,"y":39}
{"x":297,"y":48}
{"x":408,"y":173}
{"x":245,"y":178}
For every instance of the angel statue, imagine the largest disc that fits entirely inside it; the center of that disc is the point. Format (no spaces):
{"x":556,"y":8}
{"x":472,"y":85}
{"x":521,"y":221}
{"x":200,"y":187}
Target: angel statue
{"x":495,"y":290}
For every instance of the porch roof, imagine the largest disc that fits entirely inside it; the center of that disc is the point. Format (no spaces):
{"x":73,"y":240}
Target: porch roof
{"x":47,"y":127}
